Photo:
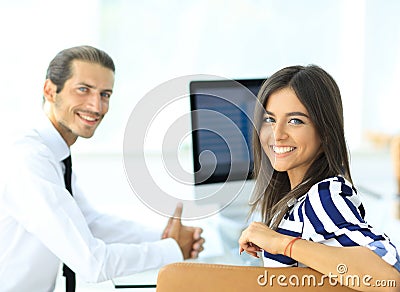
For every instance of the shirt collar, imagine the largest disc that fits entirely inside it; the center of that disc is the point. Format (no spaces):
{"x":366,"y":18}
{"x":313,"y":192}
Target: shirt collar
{"x":52,"y":138}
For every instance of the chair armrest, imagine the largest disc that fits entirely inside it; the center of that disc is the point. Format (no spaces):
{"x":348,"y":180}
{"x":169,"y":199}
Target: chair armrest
{"x":193,"y":277}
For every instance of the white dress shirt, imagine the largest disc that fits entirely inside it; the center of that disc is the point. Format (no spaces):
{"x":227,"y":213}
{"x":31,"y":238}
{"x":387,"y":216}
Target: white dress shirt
{"x":42,"y":225}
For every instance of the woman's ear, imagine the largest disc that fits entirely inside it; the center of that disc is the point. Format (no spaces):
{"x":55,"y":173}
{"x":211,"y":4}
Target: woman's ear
{"x":49,"y":90}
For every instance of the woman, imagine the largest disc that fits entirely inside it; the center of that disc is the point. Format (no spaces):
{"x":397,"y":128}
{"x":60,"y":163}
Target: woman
{"x":308,"y":198}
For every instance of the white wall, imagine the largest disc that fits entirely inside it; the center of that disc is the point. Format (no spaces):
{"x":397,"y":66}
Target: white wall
{"x":154,"y":41}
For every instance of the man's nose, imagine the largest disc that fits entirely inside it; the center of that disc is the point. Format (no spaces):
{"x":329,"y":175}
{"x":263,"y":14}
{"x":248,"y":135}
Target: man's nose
{"x":95,"y":103}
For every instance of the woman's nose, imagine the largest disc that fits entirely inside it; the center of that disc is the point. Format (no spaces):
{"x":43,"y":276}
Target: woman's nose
{"x":279,"y":131}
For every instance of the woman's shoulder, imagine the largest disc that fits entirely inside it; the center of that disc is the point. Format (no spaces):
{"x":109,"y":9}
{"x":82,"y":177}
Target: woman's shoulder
{"x":332,"y":186}
{"x":334,"y":199}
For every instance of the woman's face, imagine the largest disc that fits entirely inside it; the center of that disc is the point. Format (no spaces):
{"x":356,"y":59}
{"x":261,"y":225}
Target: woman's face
{"x":288,"y":136}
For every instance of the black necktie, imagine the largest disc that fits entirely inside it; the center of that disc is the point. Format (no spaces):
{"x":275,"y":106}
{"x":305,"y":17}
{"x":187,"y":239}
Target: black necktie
{"x":67,"y":272}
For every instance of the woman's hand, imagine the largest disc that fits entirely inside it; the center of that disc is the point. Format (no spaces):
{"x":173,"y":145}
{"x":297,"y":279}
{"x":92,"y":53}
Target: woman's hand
{"x":258,"y":236}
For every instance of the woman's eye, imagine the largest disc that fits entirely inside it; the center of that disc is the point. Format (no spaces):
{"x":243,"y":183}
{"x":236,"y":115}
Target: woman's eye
{"x":296,"y":122}
{"x":269,"y":120}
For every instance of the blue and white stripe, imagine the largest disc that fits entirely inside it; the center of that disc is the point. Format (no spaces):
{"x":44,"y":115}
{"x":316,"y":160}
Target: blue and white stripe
{"x":332,"y":213}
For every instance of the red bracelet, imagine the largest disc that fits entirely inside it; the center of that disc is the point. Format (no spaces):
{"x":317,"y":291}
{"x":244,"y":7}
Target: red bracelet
{"x":289,"y":245}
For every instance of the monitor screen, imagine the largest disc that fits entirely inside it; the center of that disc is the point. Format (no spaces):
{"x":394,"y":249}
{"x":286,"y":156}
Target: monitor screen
{"x":222,"y":113}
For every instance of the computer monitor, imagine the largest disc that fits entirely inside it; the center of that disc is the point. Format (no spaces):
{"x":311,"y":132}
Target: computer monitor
{"x":221,"y":115}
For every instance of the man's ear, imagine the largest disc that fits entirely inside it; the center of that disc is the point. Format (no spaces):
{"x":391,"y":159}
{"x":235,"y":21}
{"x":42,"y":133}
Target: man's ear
{"x":49,"y":90}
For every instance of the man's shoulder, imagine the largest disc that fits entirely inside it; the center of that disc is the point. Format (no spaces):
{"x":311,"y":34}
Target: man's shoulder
{"x":27,"y":146}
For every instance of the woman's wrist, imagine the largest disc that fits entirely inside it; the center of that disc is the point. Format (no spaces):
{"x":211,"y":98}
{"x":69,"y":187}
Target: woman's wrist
{"x":284,"y":242}
{"x":289,"y":246}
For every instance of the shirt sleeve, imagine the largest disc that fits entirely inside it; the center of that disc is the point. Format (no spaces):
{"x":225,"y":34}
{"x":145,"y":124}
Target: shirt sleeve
{"x":36,"y":197}
{"x":111,"y":228}
{"x":333,"y":215}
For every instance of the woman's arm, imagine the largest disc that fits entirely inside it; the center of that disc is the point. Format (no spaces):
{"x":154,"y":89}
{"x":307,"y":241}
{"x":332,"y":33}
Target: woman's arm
{"x":358,"y":261}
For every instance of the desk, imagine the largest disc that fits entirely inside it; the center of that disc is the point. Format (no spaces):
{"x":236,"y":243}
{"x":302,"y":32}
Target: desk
{"x":146,"y":281}
{"x":221,"y":247}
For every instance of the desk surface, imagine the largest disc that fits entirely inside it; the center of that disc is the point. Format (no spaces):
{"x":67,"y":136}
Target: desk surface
{"x":148,"y":279}
{"x":221,"y":247}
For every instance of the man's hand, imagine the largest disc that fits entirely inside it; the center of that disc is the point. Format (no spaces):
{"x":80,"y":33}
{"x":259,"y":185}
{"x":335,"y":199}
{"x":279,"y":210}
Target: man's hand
{"x":188,"y":238}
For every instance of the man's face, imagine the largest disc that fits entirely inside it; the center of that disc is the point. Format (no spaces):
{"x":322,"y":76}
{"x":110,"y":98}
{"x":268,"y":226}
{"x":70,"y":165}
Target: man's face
{"x":79,"y":107}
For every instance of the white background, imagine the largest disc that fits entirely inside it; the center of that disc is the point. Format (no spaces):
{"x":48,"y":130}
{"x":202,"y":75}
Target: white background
{"x":357,"y":42}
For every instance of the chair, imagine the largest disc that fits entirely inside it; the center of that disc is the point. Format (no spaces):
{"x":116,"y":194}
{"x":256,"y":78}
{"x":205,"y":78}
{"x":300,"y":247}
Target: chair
{"x":196,"y":277}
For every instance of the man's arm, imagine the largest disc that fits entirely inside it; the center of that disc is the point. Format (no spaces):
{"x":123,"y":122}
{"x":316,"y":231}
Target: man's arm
{"x":38,"y":201}
{"x":111,"y":228}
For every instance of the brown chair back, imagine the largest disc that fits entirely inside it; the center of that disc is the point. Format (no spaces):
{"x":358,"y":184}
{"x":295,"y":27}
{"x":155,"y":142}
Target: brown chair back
{"x":196,"y":277}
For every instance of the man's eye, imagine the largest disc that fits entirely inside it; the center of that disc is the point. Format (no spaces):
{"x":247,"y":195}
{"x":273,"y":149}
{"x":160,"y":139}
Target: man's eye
{"x":105,"y":94}
{"x":269,"y":120}
{"x":296,"y":122}
{"x":82,"y":89}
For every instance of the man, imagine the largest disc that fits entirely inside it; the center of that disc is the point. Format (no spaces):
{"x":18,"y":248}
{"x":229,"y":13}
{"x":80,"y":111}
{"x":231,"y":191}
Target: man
{"x":42,"y":223}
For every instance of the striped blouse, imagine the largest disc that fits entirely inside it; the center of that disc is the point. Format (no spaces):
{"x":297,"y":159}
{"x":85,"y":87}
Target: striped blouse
{"x":331,"y":213}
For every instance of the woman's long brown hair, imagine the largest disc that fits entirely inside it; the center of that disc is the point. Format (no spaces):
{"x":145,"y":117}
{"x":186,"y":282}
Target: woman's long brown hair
{"x":320,"y":95}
